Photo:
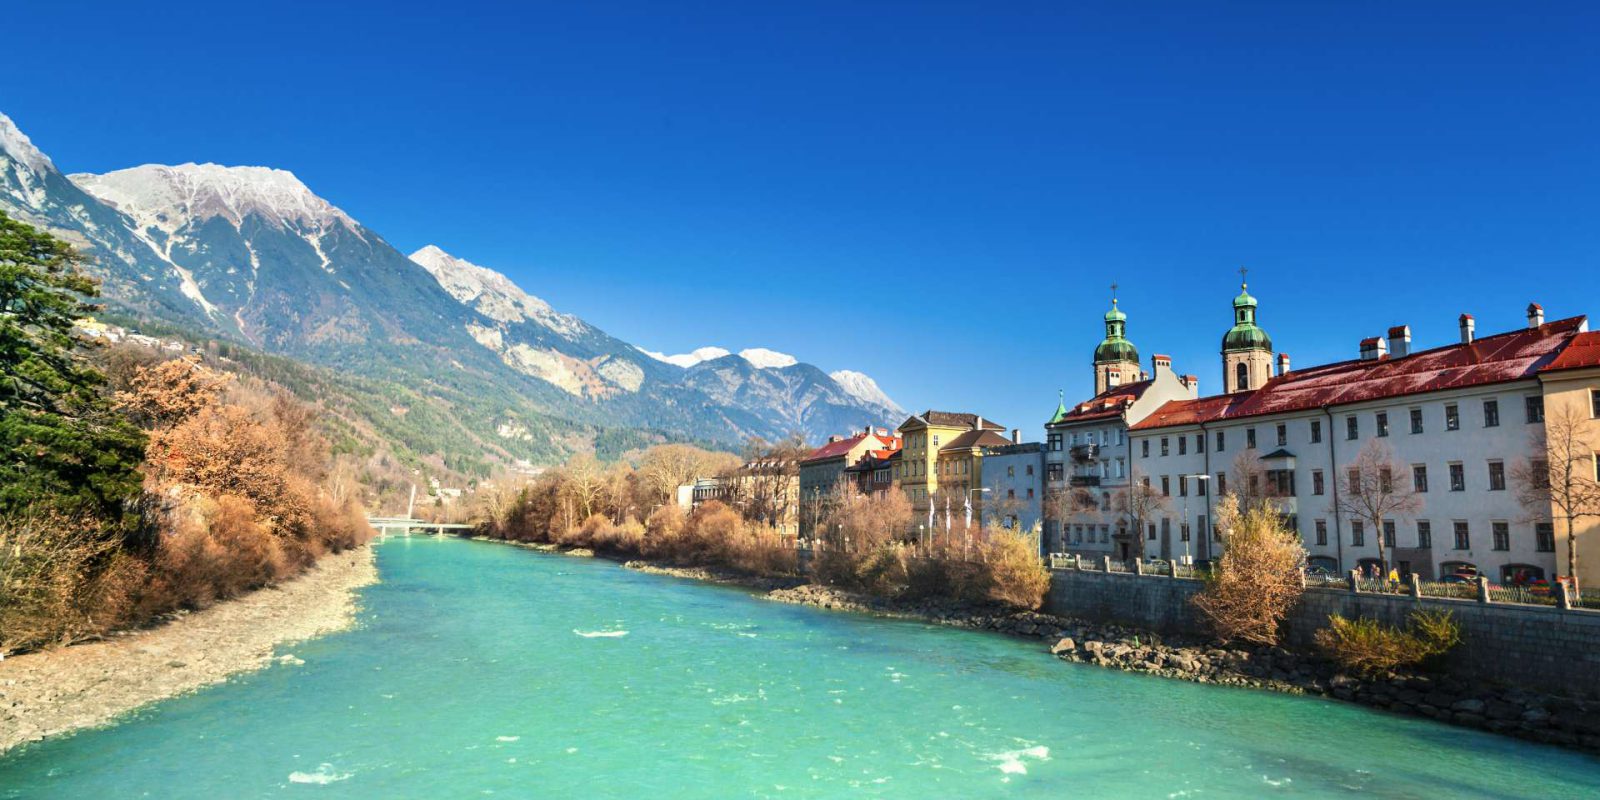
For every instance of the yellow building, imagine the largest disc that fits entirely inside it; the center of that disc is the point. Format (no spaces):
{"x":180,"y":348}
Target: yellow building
{"x":943,"y":449}
{"x":1571,"y":388}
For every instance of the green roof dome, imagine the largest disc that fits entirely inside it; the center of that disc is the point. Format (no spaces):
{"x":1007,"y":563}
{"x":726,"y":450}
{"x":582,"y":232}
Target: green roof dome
{"x":1115,"y":314}
{"x":1245,"y":333}
{"x":1112,"y":351}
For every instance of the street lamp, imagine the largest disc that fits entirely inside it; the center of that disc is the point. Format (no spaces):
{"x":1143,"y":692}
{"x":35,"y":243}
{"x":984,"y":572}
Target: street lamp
{"x":1188,"y":533}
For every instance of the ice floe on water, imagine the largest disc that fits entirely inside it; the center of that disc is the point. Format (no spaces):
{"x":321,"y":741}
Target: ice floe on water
{"x":599,"y":634}
{"x":323,"y":776}
{"x":1012,"y":761}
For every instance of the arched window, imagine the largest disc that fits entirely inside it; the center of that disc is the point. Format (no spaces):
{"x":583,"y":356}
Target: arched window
{"x":1241,"y":376}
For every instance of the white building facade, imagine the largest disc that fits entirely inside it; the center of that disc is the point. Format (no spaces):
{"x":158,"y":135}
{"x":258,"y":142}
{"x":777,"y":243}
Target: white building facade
{"x":1458,"y":419}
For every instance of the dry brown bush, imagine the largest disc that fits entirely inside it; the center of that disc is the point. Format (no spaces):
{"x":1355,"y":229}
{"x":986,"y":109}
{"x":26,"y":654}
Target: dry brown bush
{"x":1259,"y":577}
{"x":1367,"y":646}
{"x":762,"y":550}
{"x":1016,"y":576}
{"x":60,"y":582}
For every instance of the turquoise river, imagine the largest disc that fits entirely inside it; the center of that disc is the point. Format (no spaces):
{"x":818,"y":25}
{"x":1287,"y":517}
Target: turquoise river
{"x":485,"y":670}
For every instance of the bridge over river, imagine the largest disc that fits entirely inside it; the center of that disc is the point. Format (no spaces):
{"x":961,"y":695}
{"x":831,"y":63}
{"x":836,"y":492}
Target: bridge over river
{"x":406,"y":525}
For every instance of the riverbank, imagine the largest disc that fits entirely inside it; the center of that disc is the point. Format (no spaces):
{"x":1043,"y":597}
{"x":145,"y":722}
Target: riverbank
{"x":1564,"y":721}
{"x":55,"y":691}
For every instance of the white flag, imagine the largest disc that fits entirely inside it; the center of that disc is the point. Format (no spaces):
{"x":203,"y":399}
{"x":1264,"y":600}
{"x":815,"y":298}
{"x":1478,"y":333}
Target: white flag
{"x":969,"y":509}
{"x":947,"y":514}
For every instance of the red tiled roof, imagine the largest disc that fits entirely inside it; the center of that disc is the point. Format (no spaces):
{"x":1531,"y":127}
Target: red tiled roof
{"x":1583,"y":352}
{"x":843,"y":447}
{"x":1493,"y":359}
{"x":983,"y":438}
{"x":955,"y":419}
{"x":1107,"y":404}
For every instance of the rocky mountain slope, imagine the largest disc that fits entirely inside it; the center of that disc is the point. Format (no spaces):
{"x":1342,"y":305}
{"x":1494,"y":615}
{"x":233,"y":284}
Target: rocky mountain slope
{"x":251,"y":254}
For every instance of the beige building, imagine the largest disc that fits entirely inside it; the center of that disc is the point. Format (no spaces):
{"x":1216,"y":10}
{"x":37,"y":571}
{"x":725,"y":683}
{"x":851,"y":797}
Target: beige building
{"x":1571,"y":385}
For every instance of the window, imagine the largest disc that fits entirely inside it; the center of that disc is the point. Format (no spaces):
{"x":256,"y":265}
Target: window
{"x":1497,"y":476}
{"x":1416,"y":420}
{"x":1183,"y":485}
{"x":1199,"y":443}
{"x":1358,"y":533}
{"x":1452,"y":417}
{"x":1353,"y":477}
{"x":1052,"y":472}
{"x":1283,"y":435}
{"x":1383,"y":423}
{"x":1502,"y":535}
{"x":1011,"y":494}
{"x":1280,"y":482}
{"x":1147,"y":481}
{"x":1316,"y":482}
{"x":1385,"y":480}
{"x":1144,"y":448}
{"x":1322,"y":532}
{"x":1011,"y":472}
{"x":1534,"y":408}
{"x":936,"y":440}
{"x":1594,"y":402}
{"x":1352,"y":428}
{"x":1055,"y":442}
{"x":1030,"y":470}
{"x":1463,"y":538}
{"x":1200,"y":525}
{"x":1419,"y":477}
{"x":1491,"y":413}
{"x":1030,"y":492}
{"x":1388,"y":533}
{"x":1183,"y":445}
{"x":1183,"y":531}
{"x":1250,"y":438}
{"x":1424,"y":534}
{"x":1221,"y":442}
{"x":1166,"y":486}
{"x":1152,"y":535}
{"x":1241,"y":377}
{"x":1163,"y":446}
{"x":1316,"y":431}
{"x":1458,"y":478}
{"x":1222,"y":483}
{"x":1544,"y":537}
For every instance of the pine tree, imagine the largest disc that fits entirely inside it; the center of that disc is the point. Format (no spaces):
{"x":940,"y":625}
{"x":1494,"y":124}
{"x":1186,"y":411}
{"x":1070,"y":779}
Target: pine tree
{"x":63,"y":449}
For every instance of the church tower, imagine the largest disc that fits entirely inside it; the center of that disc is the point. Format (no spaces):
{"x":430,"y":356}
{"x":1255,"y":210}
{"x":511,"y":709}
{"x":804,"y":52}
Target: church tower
{"x":1116,"y":360}
{"x":1246,"y":348}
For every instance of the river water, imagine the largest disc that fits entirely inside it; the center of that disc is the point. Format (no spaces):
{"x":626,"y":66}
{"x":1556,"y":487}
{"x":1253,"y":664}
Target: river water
{"x":485,"y":670}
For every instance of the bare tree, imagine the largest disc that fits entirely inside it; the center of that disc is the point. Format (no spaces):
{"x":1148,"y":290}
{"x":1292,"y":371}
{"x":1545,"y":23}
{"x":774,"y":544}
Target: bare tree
{"x":1136,"y":504}
{"x":668,"y":466}
{"x":765,"y":486}
{"x":1562,"y":483}
{"x":1373,"y":494}
{"x":585,"y":484}
{"x":1258,"y":578}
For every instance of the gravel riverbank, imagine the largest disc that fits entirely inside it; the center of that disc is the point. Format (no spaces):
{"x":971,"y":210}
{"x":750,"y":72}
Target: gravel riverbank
{"x":55,"y":691}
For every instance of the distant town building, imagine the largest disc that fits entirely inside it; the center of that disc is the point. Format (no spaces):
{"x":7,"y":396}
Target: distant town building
{"x":1013,"y":474}
{"x":926,"y":436}
{"x":823,"y":473}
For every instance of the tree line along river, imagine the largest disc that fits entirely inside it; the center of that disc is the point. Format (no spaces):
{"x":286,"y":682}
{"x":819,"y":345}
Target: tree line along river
{"x":485,"y":670}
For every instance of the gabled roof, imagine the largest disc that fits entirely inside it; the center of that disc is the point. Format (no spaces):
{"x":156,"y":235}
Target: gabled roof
{"x":952,"y":419}
{"x":1584,"y":351}
{"x":1109,"y":403}
{"x":842,"y":448}
{"x":1513,"y":356}
{"x":983,"y":438}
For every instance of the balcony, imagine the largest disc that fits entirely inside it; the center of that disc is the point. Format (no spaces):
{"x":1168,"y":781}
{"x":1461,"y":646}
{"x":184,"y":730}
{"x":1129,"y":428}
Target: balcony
{"x":1084,"y":480}
{"x":1085,"y":452}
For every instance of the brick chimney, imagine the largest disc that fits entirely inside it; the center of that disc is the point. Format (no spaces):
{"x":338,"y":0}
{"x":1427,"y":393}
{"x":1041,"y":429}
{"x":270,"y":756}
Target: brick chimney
{"x":1400,"y":341}
{"x":1467,"y":327}
{"x":1535,"y":315}
{"x":1373,"y":348}
{"x":1283,"y":363}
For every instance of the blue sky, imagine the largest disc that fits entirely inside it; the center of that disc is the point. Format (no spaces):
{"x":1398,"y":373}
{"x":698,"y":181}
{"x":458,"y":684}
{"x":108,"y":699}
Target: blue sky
{"x":936,"y":194}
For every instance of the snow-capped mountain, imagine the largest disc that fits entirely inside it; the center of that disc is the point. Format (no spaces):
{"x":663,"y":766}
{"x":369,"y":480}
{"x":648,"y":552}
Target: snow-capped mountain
{"x":254,"y":253}
{"x":865,"y":389}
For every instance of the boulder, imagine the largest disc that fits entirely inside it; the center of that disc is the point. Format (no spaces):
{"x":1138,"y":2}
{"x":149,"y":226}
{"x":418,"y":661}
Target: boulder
{"x":1066,"y":645}
{"x":1468,"y":706}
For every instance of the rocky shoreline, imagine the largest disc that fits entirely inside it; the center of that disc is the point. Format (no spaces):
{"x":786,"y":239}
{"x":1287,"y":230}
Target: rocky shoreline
{"x":55,"y":691}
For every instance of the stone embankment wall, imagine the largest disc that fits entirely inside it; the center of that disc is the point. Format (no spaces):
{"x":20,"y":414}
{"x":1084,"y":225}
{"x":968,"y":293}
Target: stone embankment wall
{"x":1535,"y":647}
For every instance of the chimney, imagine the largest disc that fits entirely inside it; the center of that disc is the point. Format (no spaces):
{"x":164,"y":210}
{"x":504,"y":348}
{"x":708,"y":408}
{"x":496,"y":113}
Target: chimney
{"x":1535,"y":315}
{"x":1467,"y":327}
{"x":1400,"y":341}
{"x":1283,"y":363}
{"x":1193,"y":383}
{"x":1016,"y":436}
{"x":1160,"y":362}
{"x":1373,"y":348}
{"x":835,"y":438}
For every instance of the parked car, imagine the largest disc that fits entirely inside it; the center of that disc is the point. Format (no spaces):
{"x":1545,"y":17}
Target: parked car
{"x":1459,"y":577}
